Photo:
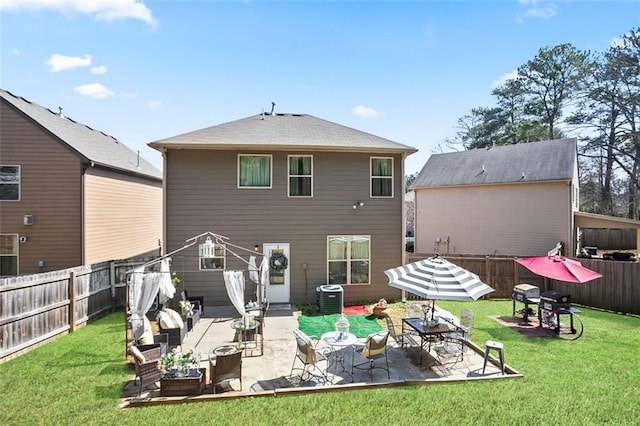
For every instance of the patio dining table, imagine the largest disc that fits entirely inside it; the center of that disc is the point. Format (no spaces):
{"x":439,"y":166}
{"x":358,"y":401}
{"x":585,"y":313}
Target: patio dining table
{"x":427,"y":333}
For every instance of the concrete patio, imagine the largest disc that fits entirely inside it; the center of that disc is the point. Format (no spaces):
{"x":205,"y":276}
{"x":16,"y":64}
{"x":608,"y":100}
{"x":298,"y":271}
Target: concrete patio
{"x":266,"y":370}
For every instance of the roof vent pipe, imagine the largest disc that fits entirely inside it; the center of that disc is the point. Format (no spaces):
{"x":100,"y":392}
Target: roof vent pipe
{"x":273,"y":107}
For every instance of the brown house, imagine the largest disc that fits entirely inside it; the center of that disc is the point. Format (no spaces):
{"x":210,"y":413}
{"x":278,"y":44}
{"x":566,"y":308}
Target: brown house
{"x":69,"y":194}
{"x":327,"y":197}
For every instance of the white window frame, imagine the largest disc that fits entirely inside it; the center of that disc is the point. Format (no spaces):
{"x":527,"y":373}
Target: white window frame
{"x":289,"y":176}
{"x":19,"y":182}
{"x":16,"y":254}
{"x":349,"y":260}
{"x":217,"y":249}
{"x":371,"y":176}
{"x":270,"y":171}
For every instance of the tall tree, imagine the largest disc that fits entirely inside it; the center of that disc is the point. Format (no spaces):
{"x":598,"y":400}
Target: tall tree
{"x":609,"y":112}
{"x":550,"y":80}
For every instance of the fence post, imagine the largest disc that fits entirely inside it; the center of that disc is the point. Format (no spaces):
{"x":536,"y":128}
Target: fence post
{"x":72,"y":302}
{"x":112,"y":280}
{"x":487,"y":262}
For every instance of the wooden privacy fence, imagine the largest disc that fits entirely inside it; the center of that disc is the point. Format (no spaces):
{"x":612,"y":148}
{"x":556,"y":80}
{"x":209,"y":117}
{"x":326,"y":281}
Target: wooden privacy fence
{"x":618,"y":290}
{"x":37,"y":308}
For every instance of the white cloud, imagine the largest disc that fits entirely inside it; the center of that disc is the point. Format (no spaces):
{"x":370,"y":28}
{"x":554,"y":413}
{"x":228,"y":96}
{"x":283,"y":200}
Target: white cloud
{"x":504,"y":78}
{"x":94,"y":90}
{"x":99,"y":70}
{"x":365,"y":111}
{"x":101,"y":10}
{"x":537,"y":10}
{"x":60,"y":62}
{"x":128,"y":95}
{"x":16,"y":51}
{"x":154,"y":104}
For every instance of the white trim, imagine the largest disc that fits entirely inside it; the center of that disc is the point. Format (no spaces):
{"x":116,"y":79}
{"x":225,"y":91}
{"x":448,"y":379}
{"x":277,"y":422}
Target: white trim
{"x":349,"y":238}
{"x":290,"y":176}
{"x":270,"y":171}
{"x":19,"y":183}
{"x":371,"y":177}
{"x":16,"y":255}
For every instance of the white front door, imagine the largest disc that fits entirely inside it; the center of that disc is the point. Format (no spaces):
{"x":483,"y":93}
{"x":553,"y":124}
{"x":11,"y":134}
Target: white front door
{"x":278,"y":287}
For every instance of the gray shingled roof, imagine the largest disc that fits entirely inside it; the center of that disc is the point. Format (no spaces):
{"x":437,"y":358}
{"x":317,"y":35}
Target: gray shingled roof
{"x":283,"y":131}
{"x":526,"y":162}
{"x":93,"y":145}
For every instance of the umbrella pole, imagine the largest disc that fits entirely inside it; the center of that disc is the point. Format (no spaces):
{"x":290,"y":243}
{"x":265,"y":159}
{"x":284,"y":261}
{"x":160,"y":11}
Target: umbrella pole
{"x":433,"y":308}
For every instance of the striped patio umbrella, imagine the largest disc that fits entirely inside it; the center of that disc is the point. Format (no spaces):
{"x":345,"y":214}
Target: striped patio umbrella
{"x":437,"y":278}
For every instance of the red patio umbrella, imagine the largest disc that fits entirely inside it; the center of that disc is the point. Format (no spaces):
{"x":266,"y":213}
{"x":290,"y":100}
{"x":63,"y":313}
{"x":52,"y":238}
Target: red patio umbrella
{"x":559,"y":268}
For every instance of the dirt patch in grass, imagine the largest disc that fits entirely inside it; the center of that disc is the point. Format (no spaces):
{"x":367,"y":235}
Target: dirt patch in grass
{"x":528,"y":329}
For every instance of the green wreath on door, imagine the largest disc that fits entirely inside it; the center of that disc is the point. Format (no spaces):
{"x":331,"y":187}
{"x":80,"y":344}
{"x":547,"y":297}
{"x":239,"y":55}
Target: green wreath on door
{"x":278,"y":262}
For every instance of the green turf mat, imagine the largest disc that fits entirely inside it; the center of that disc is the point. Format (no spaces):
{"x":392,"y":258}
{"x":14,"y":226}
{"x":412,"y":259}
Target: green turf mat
{"x":316,"y":325}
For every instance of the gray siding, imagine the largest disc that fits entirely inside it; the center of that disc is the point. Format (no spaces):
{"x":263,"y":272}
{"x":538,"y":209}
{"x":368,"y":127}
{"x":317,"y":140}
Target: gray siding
{"x":201,"y":195}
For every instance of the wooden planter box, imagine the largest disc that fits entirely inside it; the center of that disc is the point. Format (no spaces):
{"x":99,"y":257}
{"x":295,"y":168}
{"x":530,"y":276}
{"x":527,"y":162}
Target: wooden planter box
{"x":183,"y":386}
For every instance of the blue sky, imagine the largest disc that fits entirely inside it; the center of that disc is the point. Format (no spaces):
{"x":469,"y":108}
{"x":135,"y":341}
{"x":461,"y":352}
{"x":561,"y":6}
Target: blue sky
{"x":404,"y":70}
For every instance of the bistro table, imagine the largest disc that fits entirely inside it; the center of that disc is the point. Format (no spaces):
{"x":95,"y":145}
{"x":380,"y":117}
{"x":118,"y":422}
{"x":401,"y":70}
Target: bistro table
{"x":247,"y":331}
{"x":337,"y":349}
{"x":427,"y":334}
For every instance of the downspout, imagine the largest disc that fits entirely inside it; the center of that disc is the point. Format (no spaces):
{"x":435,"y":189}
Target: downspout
{"x":164,"y":200}
{"x":403,"y":295}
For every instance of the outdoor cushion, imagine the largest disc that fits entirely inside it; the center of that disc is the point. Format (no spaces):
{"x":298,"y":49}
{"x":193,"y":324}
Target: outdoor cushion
{"x":165,"y":320}
{"x":135,"y":352}
{"x":175,"y":317}
{"x":147,"y":334}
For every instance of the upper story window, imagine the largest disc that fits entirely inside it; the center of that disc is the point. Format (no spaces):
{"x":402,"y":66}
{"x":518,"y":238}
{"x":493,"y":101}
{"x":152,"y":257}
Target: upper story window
{"x":348,"y":259}
{"x":300,"y":175}
{"x":9,"y":183}
{"x":254,"y":171}
{"x":8,"y":255}
{"x":381,"y":177}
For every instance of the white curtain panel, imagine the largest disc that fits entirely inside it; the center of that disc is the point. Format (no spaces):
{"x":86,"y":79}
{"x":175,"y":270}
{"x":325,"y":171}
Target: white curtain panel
{"x":142,"y":292}
{"x":264,"y":281}
{"x":234,"y":282}
{"x":253,"y":270}
{"x":167,"y":289}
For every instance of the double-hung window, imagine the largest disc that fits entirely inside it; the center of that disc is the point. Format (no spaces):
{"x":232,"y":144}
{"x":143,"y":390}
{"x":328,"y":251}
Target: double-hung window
{"x":348,"y":259}
{"x":300,"y":175}
{"x":254,"y":171}
{"x":9,"y":183}
{"x":382,"y":177}
{"x":8,"y":255}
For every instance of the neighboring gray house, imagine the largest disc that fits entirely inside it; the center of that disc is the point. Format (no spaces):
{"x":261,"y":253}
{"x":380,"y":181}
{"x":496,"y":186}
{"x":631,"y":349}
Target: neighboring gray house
{"x":69,"y":194}
{"x":328,"y":197}
{"x":509,"y":200}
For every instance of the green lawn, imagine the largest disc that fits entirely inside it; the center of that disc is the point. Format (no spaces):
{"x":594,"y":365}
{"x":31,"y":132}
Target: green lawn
{"x":77,"y":379}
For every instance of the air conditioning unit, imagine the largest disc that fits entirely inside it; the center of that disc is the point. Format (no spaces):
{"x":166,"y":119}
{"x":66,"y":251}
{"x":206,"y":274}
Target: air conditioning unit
{"x":28,"y":219}
{"x":331,"y":299}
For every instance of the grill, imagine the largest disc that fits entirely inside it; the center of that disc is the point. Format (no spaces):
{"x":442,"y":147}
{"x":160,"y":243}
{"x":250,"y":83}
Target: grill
{"x":553,"y":300}
{"x":527,"y":294}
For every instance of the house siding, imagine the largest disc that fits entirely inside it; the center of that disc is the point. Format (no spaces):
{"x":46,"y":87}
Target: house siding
{"x":512,"y":219}
{"x":123,"y":215}
{"x":201,"y":195}
{"x":50,"y":191}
